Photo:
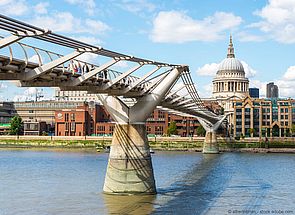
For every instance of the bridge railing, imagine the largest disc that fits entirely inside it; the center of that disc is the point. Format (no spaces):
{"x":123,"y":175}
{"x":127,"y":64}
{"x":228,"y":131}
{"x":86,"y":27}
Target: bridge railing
{"x":36,"y":56}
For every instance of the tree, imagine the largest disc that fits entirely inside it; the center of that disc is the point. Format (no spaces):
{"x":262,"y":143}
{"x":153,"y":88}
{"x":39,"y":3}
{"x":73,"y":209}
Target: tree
{"x":252,"y":131}
{"x":293,"y":129}
{"x":221,"y":111}
{"x":16,"y":125}
{"x":172,"y":128}
{"x":201,"y":131}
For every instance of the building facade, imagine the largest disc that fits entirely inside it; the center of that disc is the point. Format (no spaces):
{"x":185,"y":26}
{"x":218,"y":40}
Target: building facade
{"x":254,"y":92}
{"x":96,"y":121}
{"x":230,"y":80}
{"x":229,"y":84}
{"x":78,"y":96}
{"x":272,"y":90}
{"x":263,"y":117}
{"x":7,"y":111}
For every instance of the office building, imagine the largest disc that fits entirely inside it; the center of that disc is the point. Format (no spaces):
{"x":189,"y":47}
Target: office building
{"x":272,"y":90}
{"x":254,"y":92}
{"x":255,"y":117}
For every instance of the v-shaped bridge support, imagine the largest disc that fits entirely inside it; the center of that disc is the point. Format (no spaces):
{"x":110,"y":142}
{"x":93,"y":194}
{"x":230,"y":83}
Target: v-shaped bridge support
{"x":130,"y":168}
{"x":210,"y":143}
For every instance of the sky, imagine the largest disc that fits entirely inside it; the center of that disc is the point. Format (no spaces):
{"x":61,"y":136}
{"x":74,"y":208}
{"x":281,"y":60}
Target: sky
{"x":191,"y":32}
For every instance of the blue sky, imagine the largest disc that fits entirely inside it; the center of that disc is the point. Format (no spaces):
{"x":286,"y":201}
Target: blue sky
{"x":192,"y":32}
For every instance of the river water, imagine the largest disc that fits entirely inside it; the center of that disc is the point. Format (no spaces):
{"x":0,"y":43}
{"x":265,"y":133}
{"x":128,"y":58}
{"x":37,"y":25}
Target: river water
{"x":51,"y":182}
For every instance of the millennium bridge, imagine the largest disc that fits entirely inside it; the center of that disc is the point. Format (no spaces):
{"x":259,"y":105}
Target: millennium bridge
{"x":165,"y":86}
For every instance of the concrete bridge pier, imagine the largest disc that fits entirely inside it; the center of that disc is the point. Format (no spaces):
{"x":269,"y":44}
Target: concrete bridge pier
{"x":129,"y":168}
{"x":210,"y":143}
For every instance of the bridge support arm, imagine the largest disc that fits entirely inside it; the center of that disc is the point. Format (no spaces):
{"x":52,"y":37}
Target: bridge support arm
{"x":210,"y":143}
{"x":9,"y":40}
{"x":130,"y":168}
{"x":46,"y":67}
{"x":88,"y":75}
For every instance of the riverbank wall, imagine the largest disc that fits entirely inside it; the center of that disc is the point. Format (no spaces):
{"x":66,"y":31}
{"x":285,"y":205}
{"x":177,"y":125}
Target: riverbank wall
{"x":156,"y":143}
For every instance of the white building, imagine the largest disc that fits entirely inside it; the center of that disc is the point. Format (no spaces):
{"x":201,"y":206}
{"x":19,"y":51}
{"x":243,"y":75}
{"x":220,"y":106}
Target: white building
{"x":74,"y":96}
{"x":230,"y":82}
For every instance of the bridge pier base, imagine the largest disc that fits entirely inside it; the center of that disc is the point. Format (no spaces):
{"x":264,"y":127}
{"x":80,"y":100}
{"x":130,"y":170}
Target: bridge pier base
{"x":210,"y":143}
{"x":129,"y":168}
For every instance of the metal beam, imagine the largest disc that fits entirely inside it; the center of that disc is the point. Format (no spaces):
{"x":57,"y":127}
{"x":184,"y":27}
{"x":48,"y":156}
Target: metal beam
{"x":9,"y":40}
{"x":51,"y":65}
{"x":120,"y":77}
{"x":174,"y":92}
{"x":160,"y":78}
{"x":90,"y":74}
{"x":141,"y":80}
{"x":178,"y":98}
{"x":188,"y":101}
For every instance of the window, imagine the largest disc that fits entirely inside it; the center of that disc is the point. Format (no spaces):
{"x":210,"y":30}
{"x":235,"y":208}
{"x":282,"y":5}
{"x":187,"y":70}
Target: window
{"x":72,"y":117}
{"x":66,"y":117}
{"x":67,"y":126}
{"x":31,"y":111}
{"x":73,"y":126}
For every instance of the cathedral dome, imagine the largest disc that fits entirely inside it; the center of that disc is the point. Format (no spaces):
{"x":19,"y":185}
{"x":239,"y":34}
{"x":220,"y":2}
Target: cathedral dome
{"x":231,"y":64}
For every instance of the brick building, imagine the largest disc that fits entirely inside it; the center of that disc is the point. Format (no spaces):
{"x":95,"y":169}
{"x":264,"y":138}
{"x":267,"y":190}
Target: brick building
{"x":86,"y":119}
{"x":95,"y":120}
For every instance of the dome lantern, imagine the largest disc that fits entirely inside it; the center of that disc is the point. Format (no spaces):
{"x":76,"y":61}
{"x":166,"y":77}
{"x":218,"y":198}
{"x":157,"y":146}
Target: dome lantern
{"x":230,"y":49}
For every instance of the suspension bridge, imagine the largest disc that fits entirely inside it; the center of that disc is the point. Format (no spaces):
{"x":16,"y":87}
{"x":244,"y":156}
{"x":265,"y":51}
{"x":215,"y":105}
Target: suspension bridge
{"x":150,"y":84}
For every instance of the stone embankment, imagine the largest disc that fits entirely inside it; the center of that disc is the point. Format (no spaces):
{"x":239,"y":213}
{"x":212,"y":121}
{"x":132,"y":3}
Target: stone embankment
{"x":253,"y":145}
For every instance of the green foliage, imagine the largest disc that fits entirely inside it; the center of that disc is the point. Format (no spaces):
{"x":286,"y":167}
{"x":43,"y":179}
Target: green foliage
{"x":200,"y":131}
{"x":221,"y":111}
{"x":172,"y":128}
{"x":252,"y":130}
{"x":293,"y":129}
{"x":16,"y":125}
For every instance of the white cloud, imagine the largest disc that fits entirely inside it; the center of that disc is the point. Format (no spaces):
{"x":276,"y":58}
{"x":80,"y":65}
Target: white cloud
{"x":278,"y":20}
{"x":34,"y":59}
{"x":137,"y":6}
{"x":178,"y":27}
{"x":88,"y":5}
{"x":29,"y":94}
{"x":13,"y":7}
{"x":121,"y":65}
{"x":67,"y":23}
{"x":89,"y":39}
{"x":290,"y":74}
{"x":96,"y":26}
{"x":88,"y":57}
{"x":285,"y":84}
{"x":41,"y":8}
{"x":260,"y":85}
{"x":247,"y":37}
{"x":208,"y":69}
{"x":2,"y":85}
{"x":211,"y":69}
{"x":249,"y":71}
{"x":286,"y":88}
{"x":30,"y":91}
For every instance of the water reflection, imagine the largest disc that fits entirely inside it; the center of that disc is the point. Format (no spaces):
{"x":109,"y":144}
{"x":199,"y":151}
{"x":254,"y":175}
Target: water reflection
{"x":132,"y":204}
{"x":193,"y":192}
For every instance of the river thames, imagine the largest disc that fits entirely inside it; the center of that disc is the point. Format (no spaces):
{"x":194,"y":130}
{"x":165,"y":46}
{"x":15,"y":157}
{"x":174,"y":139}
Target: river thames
{"x":53,"y":182}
